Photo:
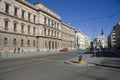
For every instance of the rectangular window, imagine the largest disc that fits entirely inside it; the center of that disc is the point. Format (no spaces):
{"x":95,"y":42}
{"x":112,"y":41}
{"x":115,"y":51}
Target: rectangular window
{"x":28,"y":30}
{"x":48,"y":32}
{"x":22,"y":28}
{"x":52,"y":24}
{"x":29,"y":16}
{"x":52,"y":32}
{"x":34,"y":31}
{"x":55,"y":33}
{"x":15,"y":11}
{"x":48,"y":22}
{"x":45,"y":31}
{"x":6,"y":25}
{"x":15,"y":27}
{"x":57,"y":25}
{"x":34,"y":18}
{"x":45,"y":20}
{"x":23,"y":14}
{"x":7,"y":8}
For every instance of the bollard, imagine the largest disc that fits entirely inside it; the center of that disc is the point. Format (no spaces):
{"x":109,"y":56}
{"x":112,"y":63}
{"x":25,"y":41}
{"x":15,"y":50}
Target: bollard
{"x":80,"y":58}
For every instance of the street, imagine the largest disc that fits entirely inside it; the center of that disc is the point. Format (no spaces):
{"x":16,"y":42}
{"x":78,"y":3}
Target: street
{"x":53,"y":67}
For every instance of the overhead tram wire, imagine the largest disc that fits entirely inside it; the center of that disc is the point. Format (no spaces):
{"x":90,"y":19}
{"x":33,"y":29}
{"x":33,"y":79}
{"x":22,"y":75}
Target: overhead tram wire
{"x":97,"y":18}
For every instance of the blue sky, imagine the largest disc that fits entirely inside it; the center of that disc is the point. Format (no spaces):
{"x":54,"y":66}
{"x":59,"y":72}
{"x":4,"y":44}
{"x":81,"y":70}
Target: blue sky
{"x":89,"y":16}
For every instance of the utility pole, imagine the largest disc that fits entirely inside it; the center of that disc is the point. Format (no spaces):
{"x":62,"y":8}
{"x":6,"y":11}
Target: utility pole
{"x":95,"y":43}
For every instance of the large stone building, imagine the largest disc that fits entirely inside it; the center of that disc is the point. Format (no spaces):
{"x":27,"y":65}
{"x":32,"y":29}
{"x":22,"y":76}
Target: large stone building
{"x":32,"y":27}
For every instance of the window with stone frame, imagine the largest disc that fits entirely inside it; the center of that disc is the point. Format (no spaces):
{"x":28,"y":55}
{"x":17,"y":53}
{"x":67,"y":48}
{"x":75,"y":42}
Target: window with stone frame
{"x":28,"y":29}
{"x":14,"y":26}
{"x":22,"y":28}
{"x":33,"y":43}
{"x":15,"y":11}
{"x":5,"y":42}
{"x":14,"y":42}
{"x":34,"y":31}
{"x":22,"y":42}
{"x":6,"y":25}
{"x":28,"y":43}
{"x":23,"y":14}
{"x":29,"y":15}
{"x":7,"y":7}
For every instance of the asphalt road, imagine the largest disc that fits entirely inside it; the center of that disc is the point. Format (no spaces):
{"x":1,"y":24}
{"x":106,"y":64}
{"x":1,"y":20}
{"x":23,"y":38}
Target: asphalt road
{"x":52,"y":67}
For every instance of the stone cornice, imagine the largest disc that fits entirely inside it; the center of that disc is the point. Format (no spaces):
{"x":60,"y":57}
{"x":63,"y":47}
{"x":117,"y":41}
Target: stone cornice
{"x":16,"y":33}
{"x":34,"y":8}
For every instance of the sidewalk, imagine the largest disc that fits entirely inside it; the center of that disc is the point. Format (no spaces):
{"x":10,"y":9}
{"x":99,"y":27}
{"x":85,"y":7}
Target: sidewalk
{"x":27,"y":54}
{"x":95,"y":61}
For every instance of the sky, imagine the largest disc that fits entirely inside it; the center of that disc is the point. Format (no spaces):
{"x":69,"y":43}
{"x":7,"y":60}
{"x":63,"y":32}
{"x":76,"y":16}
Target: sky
{"x":88,"y":16}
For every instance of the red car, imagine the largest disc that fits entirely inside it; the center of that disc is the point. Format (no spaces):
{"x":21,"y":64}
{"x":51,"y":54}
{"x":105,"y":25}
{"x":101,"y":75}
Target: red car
{"x":64,"y":49}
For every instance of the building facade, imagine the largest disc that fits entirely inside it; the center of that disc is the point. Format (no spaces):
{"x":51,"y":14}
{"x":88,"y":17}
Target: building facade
{"x":32,"y":28}
{"x":117,"y":31}
{"x":99,"y":42}
{"x":82,"y":41}
{"x":114,"y":37}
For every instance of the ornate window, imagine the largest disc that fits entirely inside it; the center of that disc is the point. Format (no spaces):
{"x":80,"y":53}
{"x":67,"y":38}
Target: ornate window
{"x":22,"y":28}
{"x":15,"y":11}
{"x":6,"y":25}
{"x":5,"y":42}
{"x":28,"y":43}
{"x":22,"y":42}
{"x":15,"y":27}
{"x":33,"y":43}
{"x":23,"y":14}
{"x":14,"y":42}
{"x":7,"y":7}
{"x":34,"y":31}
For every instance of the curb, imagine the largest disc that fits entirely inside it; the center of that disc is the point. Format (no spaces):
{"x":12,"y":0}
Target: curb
{"x":76,"y":63}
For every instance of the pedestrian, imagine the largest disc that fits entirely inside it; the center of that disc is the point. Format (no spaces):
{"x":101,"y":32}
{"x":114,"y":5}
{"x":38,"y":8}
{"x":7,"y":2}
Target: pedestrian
{"x":18,"y":50}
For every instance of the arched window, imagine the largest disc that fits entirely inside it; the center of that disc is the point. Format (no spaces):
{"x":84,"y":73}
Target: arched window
{"x":33,"y":43}
{"x":28,"y":43}
{"x":5,"y":42}
{"x":56,"y":44}
{"x":14,"y":42}
{"x":45,"y":44}
{"x":52,"y":44}
{"x":22,"y":42}
{"x":49,"y":44}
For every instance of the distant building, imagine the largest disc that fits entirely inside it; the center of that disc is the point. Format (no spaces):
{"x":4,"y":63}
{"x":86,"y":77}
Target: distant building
{"x":82,"y":40}
{"x":99,"y":42}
